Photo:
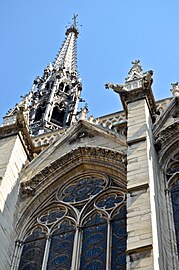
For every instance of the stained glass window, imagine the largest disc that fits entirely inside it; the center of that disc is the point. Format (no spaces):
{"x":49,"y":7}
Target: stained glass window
{"x":52,"y":216}
{"x":33,"y":251}
{"x":172,"y":176}
{"x":109,"y":201}
{"x":85,"y":229}
{"x":82,"y":189}
{"x":175,"y":204}
{"x":119,"y":236}
{"x":93,"y":255}
{"x":61,"y":247}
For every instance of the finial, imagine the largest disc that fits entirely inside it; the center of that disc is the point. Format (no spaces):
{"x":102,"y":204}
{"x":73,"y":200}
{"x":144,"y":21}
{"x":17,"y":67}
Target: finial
{"x":84,"y":111}
{"x":74,"y":20}
{"x":135,"y":62}
{"x":136,"y":70}
{"x":73,"y":27}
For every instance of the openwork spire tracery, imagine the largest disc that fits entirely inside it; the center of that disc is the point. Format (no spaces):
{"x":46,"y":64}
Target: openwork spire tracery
{"x":52,"y":102}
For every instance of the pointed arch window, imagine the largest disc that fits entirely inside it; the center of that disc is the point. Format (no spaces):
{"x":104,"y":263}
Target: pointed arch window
{"x":61,"y":246}
{"x":173,"y":180}
{"x":84,"y":229}
{"x":33,"y":250}
{"x":175,"y":205}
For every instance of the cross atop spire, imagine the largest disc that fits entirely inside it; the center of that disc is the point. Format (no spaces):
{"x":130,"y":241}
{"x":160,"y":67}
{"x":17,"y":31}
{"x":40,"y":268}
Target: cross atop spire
{"x":73,"y":27}
{"x":74,"y":20}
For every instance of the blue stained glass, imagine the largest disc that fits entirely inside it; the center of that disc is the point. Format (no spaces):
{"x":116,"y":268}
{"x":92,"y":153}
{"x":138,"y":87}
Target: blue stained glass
{"x":94,"y":265}
{"x":175,"y":187}
{"x":119,"y":241}
{"x":175,"y":204}
{"x":176,"y":198}
{"x":94,"y":252}
{"x":93,"y":255}
{"x":52,"y":216}
{"x":61,"y":248}
{"x":94,"y":239}
{"x":33,"y":250}
{"x":95,"y":219}
{"x":61,"y":260}
{"x":65,"y":226}
{"x":110,"y":201}
{"x":83,"y":189}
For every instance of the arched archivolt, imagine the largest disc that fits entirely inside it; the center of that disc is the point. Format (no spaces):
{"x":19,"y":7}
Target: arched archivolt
{"x":33,"y":249}
{"x":87,"y":161}
{"x":170,"y":164}
{"x":64,"y":205}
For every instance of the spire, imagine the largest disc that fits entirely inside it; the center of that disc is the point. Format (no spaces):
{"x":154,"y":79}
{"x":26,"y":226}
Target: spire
{"x":53,"y":99}
{"x":67,"y":56}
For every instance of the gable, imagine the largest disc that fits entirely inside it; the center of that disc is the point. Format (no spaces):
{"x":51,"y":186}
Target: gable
{"x":81,"y":135}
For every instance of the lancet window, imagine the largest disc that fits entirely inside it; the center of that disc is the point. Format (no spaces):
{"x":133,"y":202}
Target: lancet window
{"x":173,"y":179}
{"x":84,"y":228}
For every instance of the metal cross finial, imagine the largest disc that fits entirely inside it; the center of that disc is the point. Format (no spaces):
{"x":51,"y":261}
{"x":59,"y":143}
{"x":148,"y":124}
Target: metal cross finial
{"x":74,"y":19}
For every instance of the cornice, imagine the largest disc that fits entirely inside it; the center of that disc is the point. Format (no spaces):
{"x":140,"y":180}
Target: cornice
{"x":137,"y":94}
{"x":19,"y":127}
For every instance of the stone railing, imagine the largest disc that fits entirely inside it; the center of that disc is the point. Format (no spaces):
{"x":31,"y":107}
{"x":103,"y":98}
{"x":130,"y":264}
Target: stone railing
{"x":48,"y":138}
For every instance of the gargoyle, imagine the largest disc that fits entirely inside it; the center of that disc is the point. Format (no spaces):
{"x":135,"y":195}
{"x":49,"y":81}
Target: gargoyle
{"x":147,"y":79}
{"x":118,"y":88}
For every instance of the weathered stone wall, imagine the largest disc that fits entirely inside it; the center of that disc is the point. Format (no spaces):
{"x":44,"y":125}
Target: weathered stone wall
{"x":12,"y":159}
{"x":139,"y":227}
{"x":144,"y":244}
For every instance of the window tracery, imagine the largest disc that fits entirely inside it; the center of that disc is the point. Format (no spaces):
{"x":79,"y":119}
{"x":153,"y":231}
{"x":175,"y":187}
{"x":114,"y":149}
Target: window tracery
{"x":84,"y":229}
{"x":172,"y":174}
{"x":33,"y":250}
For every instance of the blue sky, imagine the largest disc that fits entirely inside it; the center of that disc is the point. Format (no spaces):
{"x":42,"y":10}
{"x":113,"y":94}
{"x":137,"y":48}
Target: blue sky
{"x":113,"y":33}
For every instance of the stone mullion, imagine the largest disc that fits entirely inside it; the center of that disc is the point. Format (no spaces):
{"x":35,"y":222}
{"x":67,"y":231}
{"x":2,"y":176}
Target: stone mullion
{"x":46,"y":253}
{"x":76,"y":250}
{"x":108,"y":249}
{"x":172,"y":233}
{"x":16,"y":256}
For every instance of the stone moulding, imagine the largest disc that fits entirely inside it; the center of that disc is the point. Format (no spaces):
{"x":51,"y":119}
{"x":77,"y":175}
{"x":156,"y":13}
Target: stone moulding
{"x":84,"y":153}
{"x":140,"y":93}
{"x":169,"y":109}
{"x":139,"y":249}
{"x":19,"y":127}
{"x":166,"y":137}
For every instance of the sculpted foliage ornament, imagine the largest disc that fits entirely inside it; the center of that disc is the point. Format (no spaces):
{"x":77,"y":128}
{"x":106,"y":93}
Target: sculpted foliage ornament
{"x":81,"y":152}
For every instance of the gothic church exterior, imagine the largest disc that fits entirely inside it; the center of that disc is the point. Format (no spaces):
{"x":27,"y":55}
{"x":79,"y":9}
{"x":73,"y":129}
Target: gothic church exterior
{"x":89,"y":194}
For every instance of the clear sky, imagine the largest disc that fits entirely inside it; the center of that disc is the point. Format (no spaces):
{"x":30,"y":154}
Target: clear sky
{"x":113,"y":33}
